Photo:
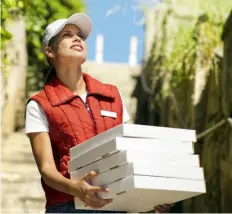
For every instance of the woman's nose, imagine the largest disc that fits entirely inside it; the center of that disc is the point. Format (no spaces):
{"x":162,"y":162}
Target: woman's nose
{"x":77,"y":38}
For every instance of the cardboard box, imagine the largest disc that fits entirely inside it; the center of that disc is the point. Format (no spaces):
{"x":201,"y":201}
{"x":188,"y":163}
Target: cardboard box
{"x":121,"y":157}
{"x":147,"y":155}
{"x":135,"y":131}
{"x":141,"y":193}
{"x":141,"y":168}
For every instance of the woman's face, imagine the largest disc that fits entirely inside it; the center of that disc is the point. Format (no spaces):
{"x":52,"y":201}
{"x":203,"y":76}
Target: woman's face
{"x":69,"y":45}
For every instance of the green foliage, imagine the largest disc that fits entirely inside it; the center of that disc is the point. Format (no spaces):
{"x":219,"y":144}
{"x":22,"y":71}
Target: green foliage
{"x":37,"y":15}
{"x":185,"y":40}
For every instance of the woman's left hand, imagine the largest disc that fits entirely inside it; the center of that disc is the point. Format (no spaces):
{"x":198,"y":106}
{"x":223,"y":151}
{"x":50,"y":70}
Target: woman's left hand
{"x":164,"y":208}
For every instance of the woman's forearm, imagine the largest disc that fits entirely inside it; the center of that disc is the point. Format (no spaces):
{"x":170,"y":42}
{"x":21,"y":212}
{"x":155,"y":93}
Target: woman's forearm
{"x":57,"y":181}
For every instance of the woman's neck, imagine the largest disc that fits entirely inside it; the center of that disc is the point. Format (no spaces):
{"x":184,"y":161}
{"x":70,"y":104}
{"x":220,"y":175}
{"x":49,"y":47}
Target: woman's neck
{"x":72,"y":79}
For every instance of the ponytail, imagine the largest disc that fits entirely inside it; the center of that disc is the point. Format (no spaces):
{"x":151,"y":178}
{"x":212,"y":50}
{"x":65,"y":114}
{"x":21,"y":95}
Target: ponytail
{"x":50,"y":73}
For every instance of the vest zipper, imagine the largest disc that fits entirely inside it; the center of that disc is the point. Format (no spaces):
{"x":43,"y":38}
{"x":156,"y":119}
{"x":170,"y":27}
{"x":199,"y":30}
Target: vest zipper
{"x":86,"y":104}
{"x":90,"y":113}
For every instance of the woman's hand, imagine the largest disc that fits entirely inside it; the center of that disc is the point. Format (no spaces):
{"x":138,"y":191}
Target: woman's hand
{"x":88,"y":194}
{"x":164,"y":208}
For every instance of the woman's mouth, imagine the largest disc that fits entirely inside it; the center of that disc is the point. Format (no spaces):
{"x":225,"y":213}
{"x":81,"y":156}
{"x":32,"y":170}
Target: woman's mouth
{"x":77,"y":47}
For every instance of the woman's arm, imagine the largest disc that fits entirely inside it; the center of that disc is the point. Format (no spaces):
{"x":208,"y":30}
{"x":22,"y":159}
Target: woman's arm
{"x":42,"y":151}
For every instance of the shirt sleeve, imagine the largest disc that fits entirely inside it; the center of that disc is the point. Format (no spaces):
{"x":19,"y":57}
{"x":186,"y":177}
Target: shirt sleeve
{"x":36,"y":120}
{"x":125,"y":116}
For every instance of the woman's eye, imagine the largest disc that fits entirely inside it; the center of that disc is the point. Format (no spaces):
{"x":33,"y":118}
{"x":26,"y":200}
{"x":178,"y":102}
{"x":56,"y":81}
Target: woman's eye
{"x":67,"y":34}
{"x":81,"y":36}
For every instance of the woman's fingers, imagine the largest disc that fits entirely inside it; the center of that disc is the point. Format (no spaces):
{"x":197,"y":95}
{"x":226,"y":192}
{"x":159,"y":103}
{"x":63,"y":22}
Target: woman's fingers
{"x":88,"y":176}
{"x":94,"y":189}
{"x":90,"y":197}
{"x":96,"y":202}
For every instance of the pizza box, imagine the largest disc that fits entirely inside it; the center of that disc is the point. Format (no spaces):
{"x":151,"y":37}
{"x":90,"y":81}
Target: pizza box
{"x":151,"y":155}
{"x":120,"y":158}
{"x":137,"y":193}
{"x":134,"y":131}
{"x":146,"y":144}
{"x":141,"y":168}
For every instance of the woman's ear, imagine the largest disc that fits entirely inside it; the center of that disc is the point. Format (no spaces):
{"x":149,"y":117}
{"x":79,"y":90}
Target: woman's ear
{"x":48,"y":52}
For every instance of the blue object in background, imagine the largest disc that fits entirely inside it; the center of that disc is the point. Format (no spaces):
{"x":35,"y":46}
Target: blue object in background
{"x":117,"y":21}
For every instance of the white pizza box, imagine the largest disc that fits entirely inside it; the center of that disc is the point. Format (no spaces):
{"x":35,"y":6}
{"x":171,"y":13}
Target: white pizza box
{"x":137,"y":193}
{"x":135,"y":131}
{"x":122,"y":157}
{"x":150,"y":154}
{"x":141,"y":168}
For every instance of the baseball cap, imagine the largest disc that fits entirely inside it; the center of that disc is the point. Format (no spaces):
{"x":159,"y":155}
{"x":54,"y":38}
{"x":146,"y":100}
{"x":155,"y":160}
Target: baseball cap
{"x":81,"y":20}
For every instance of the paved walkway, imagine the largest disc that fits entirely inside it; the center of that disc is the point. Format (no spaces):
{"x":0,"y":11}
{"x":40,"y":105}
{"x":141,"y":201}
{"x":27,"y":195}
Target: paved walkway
{"x":20,"y":180}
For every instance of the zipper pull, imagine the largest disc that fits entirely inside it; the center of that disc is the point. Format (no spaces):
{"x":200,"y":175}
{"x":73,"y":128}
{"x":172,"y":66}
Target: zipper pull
{"x":87,"y":106}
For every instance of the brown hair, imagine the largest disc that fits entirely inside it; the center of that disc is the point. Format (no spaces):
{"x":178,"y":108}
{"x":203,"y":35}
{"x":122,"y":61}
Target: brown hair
{"x":51,"y":43}
{"x":51,"y":70}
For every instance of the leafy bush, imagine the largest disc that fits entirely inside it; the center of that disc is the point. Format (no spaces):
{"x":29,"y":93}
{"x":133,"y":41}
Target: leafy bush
{"x":37,"y":14}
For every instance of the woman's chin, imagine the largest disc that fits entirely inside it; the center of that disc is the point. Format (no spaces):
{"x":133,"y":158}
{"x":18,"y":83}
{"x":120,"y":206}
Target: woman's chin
{"x":80,"y":57}
{"x":76,"y":58}
{"x":82,"y":60}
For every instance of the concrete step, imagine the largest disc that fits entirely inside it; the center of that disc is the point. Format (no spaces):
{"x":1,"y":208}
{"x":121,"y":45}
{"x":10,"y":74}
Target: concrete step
{"x":14,"y":204}
{"x":22,"y":197}
{"x":13,"y":177}
{"x":21,"y":190}
{"x":19,"y":157}
{"x":19,"y":167}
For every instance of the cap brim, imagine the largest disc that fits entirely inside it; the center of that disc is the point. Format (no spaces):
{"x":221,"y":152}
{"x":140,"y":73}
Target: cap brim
{"x":82,"y":21}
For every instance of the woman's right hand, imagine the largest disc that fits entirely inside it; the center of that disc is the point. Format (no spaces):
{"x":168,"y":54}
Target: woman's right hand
{"x":87,"y":193}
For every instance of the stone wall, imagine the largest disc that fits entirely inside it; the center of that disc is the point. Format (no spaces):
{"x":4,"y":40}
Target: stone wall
{"x":200,"y":103}
{"x":206,"y":102}
{"x":227,"y":65}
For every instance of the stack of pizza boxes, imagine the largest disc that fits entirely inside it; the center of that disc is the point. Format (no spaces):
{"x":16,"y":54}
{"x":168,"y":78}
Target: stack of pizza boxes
{"x":142,"y":166}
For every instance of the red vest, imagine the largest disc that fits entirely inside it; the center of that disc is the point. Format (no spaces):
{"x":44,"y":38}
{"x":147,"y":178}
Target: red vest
{"x":70,"y":123}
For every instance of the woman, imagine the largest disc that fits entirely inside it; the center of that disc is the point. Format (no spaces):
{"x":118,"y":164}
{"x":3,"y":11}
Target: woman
{"x":67,"y":112}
